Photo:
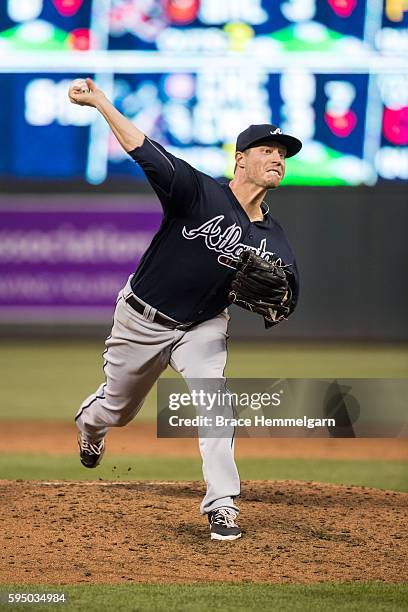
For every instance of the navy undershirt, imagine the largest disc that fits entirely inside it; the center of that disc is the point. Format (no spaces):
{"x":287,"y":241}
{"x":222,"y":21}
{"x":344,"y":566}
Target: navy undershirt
{"x":187,"y":270}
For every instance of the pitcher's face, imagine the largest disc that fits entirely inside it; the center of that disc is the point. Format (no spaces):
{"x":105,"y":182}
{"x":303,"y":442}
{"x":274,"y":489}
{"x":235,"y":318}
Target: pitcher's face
{"x":264,"y":165}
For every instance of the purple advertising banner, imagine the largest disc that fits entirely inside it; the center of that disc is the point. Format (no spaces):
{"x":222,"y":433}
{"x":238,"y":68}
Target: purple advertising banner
{"x":67,"y":263}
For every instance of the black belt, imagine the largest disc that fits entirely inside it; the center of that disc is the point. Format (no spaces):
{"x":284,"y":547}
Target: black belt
{"x":158,"y":318}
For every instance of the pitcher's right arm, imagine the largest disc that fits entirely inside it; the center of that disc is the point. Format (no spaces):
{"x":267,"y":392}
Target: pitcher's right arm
{"x":128,"y":135}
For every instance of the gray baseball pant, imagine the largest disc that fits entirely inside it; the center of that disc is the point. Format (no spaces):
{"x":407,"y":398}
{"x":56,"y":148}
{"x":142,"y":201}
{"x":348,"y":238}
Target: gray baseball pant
{"x":137,"y":352}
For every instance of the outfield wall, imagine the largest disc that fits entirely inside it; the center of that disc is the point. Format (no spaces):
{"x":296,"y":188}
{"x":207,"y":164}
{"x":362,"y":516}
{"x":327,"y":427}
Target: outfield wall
{"x":64,"y":257}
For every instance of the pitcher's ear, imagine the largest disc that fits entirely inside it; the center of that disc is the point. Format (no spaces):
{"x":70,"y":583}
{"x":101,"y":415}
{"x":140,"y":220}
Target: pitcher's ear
{"x":239,"y":159}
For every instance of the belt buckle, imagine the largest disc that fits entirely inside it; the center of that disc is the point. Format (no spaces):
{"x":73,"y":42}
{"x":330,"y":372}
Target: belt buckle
{"x":183,"y":326}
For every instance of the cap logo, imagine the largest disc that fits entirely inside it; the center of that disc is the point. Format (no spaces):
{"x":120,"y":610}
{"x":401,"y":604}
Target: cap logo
{"x":277,"y":131}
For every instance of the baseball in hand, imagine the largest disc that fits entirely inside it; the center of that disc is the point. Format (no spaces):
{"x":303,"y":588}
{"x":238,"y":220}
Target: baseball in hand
{"x":82,"y":84}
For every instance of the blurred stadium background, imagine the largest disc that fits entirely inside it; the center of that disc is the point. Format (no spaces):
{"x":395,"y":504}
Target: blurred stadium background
{"x":77,"y":214}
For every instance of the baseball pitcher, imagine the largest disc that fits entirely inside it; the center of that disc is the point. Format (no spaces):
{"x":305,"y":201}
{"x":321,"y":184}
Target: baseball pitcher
{"x":217,"y":244}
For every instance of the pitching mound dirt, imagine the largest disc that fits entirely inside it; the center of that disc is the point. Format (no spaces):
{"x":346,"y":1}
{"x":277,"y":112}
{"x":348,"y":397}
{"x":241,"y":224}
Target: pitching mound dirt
{"x":104,"y":532}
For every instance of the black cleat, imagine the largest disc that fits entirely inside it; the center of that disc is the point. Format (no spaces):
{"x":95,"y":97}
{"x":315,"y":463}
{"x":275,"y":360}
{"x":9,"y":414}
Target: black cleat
{"x":223,"y":525}
{"x":90,"y":453}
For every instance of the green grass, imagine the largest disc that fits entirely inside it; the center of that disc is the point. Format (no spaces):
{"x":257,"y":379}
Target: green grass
{"x":391,"y":475}
{"x":338,"y":597}
{"x":49,"y":380}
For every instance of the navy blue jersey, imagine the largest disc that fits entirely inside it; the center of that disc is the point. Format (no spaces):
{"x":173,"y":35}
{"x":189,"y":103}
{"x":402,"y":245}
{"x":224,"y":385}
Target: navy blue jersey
{"x":187,"y":270}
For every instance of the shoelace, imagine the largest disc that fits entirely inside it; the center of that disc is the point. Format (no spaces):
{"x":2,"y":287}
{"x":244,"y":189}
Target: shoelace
{"x":95,"y":448}
{"x":225,"y":516}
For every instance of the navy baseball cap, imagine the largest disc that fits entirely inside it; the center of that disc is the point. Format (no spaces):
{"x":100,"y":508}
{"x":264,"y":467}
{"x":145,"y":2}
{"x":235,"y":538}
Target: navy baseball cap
{"x":256,"y":135}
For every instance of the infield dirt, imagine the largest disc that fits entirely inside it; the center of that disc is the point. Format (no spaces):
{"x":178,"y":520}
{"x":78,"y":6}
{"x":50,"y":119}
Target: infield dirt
{"x":110,"y":532}
{"x":53,"y":438}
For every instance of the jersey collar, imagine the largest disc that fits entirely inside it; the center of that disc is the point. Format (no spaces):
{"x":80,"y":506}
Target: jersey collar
{"x":231,"y":195}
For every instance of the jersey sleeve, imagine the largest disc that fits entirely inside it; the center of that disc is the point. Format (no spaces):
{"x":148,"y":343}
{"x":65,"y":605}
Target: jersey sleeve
{"x":173,"y":180}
